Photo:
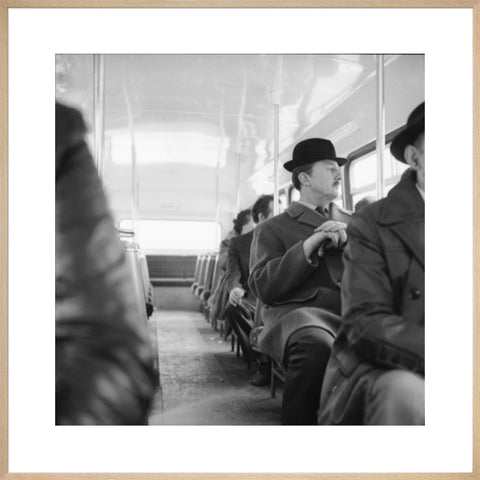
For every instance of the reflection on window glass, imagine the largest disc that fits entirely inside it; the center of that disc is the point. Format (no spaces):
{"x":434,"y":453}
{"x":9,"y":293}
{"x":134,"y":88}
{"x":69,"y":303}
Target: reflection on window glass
{"x":175,"y":236}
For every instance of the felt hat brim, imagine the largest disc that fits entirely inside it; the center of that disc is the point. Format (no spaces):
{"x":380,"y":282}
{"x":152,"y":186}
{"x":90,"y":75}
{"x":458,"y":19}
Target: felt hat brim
{"x":292,"y":164}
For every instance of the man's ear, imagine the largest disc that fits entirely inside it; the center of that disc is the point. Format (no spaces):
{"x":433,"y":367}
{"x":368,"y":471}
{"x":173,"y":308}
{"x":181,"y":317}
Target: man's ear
{"x":411,"y":156}
{"x":304,"y":178}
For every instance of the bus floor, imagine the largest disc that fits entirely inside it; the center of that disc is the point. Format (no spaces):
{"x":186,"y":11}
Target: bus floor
{"x":202,"y":382}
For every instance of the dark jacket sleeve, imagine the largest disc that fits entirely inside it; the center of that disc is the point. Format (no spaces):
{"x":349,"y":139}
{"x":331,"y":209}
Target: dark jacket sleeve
{"x":234,"y":273}
{"x":372,"y":327}
{"x":275,"y":272}
{"x":222,"y":254}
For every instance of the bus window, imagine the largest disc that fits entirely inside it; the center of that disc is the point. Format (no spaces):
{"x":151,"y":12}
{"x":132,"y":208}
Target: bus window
{"x":362,"y":174}
{"x":283,"y":200}
{"x":175,"y":236}
{"x":294,"y":194}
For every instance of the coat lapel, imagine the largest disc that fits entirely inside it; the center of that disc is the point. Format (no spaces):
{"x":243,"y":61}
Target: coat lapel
{"x":305,"y":215}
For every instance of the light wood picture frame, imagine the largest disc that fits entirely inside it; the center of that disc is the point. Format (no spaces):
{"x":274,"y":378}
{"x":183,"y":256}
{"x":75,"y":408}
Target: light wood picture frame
{"x":473,"y":5}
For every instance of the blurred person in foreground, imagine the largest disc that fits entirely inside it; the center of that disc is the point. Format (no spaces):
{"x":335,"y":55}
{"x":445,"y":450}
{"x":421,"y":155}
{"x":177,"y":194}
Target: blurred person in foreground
{"x":103,"y":367}
{"x":376,"y":374}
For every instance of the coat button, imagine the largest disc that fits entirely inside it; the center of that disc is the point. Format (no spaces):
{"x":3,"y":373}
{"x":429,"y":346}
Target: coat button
{"x":415,"y":294}
{"x":339,"y":283}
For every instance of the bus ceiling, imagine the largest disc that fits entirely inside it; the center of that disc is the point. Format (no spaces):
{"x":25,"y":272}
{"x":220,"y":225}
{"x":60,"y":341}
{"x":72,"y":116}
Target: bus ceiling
{"x":158,"y":122}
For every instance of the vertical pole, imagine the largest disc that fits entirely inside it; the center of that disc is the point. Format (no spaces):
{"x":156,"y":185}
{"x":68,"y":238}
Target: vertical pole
{"x":216,"y":240}
{"x":276,"y":118}
{"x":238,"y":156}
{"x":219,"y":158}
{"x":380,"y":125}
{"x":276,"y":197}
{"x":133,"y":153}
{"x":217,"y":192}
{"x":99,"y":111}
{"x":238,"y":140}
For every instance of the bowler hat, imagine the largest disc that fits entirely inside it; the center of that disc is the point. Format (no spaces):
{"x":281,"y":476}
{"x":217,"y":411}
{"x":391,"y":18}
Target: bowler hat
{"x":410,"y":132}
{"x":312,"y":150}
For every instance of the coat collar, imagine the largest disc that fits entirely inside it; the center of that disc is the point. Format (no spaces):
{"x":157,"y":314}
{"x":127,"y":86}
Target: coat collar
{"x":404,"y":211}
{"x":304,"y":214}
{"x":310,"y":217}
{"x":246,"y":238}
{"x":404,"y":202}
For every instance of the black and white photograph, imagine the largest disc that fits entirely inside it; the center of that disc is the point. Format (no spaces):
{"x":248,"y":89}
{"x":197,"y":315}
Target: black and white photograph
{"x":232,"y":269}
{"x":240,"y":239}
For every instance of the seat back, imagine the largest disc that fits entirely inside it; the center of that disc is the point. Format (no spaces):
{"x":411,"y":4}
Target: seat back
{"x":196,"y":275}
{"x":209,"y":272}
{"x":216,"y":272}
{"x":201,"y":274}
{"x":132,"y":253}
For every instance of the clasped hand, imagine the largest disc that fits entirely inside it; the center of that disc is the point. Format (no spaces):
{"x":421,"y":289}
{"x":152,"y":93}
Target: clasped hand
{"x":236,"y":294}
{"x":328,"y":232}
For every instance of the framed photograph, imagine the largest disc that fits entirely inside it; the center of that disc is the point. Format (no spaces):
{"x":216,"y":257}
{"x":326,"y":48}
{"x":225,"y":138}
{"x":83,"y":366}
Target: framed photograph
{"x":39,"y":36}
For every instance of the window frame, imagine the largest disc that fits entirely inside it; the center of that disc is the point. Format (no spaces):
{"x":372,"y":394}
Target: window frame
{"x":359,"y":153}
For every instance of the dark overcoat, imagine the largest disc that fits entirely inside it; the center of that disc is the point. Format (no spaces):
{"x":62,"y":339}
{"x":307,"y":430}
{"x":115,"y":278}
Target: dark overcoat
{"x":294,"y":293}
{"x":238,"y":268}
{"x":383,"y":314}
{"x":219,"y":298}
{"x":238,"y":259}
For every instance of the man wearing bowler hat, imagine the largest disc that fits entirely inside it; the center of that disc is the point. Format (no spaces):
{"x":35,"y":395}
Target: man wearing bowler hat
{"x":376,"y":373}
{"x":296,"y":268}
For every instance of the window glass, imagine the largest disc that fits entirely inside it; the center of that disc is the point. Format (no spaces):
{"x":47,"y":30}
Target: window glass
{"x":174,"y":236}
{"x":294,"y":195}
{"x":363,"y":174}
{"x":283,"y":201}
{"x":363,"y":171}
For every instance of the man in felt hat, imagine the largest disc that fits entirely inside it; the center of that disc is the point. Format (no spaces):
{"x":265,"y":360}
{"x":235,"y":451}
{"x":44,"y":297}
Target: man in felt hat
{"x":376,"y":373}
{"x":296,"y":268}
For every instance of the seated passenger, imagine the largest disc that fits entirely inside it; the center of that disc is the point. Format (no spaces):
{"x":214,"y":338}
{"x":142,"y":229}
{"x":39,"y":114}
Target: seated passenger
{"x":376,"y":373}
{"x":296,"y":268}
{"x":243,"y":223}
{"x":240,"y":312}
{"x":104,"y":366}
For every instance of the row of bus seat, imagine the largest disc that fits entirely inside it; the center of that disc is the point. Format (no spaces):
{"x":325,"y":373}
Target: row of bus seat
{"x":143,"y":290}
{"x":206,"y":276}
{"x":171,"y":270}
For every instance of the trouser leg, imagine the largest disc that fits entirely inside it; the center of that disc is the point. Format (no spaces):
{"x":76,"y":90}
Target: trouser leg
{"x":306,"y":356}
{"x":237,"y":325}
{"x":396,"y":397}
